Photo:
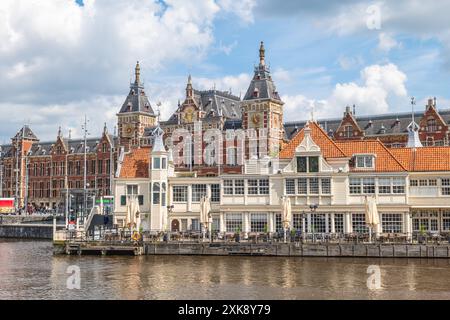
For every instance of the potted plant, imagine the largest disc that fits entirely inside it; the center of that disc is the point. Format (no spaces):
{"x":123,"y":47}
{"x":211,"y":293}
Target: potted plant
{"x":293,"y":232}
{"x":266,"y":233}
{"x":422,"y":233}
{"x":237,"y":235}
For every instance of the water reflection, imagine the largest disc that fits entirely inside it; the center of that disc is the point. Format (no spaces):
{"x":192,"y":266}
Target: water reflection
{"x":29,"y":271}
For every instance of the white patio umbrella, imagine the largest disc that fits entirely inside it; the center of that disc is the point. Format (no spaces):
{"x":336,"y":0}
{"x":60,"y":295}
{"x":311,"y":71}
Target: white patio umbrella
{"x":128,"y":214}
{"x":204,"y":213}
{"x":136,"y":213}
{"x":372,"y":217}
{"x":286,"y":213}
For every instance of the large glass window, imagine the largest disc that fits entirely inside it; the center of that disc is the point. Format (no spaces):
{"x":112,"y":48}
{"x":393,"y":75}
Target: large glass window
{"x":359,"y":223}
{"x":278,"y":223}
{"x":426,"y":220}
{"x":156,"y":163}
{"x":398,"y":185}
{"x":195,"y":225}
{"x":233,"y":186}
{"x":179,"y":193}
{"x":326,"y":185}
{"x":365,"y":161}
{"x":297,"y":221}
{"x":355,"y":185}
{"x":318,"y":223}
{"x":391,"y":222}
{"x":156,"y":193}
{"x":368,"y":185}
{"x":384,"y":185}
{"x":228,"y":187}
{"x":339,"y":223}
{"x":313,"y":163}
{"x":302,"y":186}
{"x":198,"y":191}
{"x":215,"y":226}
{"x":301,"y":164}
{"x":314,"y":185}
{"x":132,"y":190}
{"x":446,"y":220}
{"x":215,"y":193}
{"x":258,"y":222}
{"x":264,"y":186}
{"x":233,"y":222}
{"x":252,"y":186}
{"x":290,"y":186}
{"x":307,"y":164}
{"x":239,"y":186}
{"x":258,"y":186}
{"x":445,"y":186}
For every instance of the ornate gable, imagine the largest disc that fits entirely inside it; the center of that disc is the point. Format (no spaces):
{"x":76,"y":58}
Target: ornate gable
{"x":307,"y":145}
{"x":432,"y":126}
{"x":348,"y":128}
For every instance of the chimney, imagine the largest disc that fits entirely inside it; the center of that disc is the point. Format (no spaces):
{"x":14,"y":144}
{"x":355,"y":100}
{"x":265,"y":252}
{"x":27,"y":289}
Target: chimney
{"x":347,"y":110}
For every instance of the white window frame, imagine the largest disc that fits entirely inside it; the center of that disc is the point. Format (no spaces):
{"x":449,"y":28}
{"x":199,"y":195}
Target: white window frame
{"x":368,"y":161}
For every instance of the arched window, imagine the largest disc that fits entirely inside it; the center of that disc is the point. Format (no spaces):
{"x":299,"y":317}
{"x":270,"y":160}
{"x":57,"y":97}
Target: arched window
{"x":156,"y":193}
{"x":163,"y":194}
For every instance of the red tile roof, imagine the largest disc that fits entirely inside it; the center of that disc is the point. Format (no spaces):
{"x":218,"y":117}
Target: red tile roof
{"x":385,"y":161}
{"x":424,"y":159}
{"x":327,"y":145}
{"x":136,"y":163}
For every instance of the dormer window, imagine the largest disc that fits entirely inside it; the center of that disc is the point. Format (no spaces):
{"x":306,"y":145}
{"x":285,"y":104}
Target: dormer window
{"x":256,"y":93}
{"x":366,"y":161}
{"x":307,"y":164}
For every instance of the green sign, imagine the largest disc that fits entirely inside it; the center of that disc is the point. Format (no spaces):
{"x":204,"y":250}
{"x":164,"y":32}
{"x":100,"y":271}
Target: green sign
{"x":104,"y":201}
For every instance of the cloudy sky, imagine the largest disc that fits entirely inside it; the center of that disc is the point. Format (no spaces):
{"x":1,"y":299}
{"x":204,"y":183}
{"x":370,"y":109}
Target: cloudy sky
{"x":61,"y":59}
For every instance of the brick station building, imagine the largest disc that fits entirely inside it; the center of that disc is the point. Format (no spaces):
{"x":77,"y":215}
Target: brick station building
{"x":57,"y":166}
{"x":54,"y":167}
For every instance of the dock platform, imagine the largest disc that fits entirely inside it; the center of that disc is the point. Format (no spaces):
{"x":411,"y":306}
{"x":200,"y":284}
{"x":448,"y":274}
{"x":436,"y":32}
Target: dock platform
{"x":257,"y":249}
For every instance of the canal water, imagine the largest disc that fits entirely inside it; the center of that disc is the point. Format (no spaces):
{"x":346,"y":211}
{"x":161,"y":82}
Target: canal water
{"x":28,"y":270}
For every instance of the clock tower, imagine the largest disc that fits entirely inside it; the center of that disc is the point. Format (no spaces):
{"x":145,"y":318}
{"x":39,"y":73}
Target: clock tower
{"x":262,"y":108}
{"x":135,"y":115}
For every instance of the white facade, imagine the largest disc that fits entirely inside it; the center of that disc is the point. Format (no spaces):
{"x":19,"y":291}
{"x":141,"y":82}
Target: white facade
{"x":328,"y":197}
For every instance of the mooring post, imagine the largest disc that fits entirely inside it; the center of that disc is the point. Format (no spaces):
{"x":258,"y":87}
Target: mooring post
{"x":54,"y":226}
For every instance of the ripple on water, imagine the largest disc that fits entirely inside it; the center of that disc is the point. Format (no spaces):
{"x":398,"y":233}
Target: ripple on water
{"x":28,"y":270}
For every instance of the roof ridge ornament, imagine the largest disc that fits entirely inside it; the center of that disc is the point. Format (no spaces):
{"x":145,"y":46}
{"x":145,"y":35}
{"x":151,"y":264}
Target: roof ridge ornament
{"x":413,"y":130}
{"x":158,"y":143}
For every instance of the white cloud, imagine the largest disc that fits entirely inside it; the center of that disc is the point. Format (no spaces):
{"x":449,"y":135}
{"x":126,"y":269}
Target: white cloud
{"x":237,"y":84}
{"x":347,"y":62}
{"x":386,"y":42}
{"x":59,"y":56}
{"x":242,"y":8}
{"x":379,"y":84}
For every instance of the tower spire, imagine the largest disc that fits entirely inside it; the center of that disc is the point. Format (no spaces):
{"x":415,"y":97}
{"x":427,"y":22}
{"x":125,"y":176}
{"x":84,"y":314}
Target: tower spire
{"x":189,"y":87}
{"x":137,"y":73}
{"x":262,"y":54}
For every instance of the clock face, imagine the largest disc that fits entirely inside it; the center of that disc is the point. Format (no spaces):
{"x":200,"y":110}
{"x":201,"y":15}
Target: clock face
{"x":189,"y":114}
{"x":128,"y":130}
{"x":255,"y":120}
